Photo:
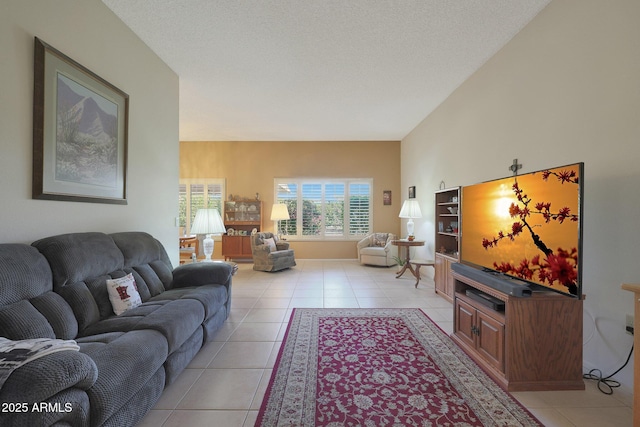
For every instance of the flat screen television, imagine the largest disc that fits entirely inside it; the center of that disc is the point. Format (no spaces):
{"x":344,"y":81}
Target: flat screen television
{"x":528,"y":227}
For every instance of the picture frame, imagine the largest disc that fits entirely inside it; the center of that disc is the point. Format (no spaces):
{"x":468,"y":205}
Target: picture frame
{"x":386,"y":197}
{"x":412,"y":192}
{"x":80,"y":132}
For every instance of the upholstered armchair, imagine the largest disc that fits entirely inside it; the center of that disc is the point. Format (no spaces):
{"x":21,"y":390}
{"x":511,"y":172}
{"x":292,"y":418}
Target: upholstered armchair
{"x":376,"y":249}
{"x":270,"y":254}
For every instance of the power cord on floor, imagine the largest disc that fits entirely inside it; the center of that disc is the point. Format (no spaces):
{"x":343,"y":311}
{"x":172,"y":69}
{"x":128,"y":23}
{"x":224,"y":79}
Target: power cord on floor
{"x":596,"y":375}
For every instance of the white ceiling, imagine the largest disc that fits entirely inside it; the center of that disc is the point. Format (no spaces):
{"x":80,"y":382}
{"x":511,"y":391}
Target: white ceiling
{"x":296,"y":70}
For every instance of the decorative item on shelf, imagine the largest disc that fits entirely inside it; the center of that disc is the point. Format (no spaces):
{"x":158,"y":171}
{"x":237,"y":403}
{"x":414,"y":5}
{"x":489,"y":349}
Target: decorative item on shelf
{"x":453,"y":210}
{"x":208,"y":221}
{"x":410,"y":209}
{"x":278,"y":213}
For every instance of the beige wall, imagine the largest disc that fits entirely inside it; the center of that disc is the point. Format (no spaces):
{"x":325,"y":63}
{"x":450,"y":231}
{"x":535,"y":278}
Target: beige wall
{"x":565,"y":89}
{"x":89,"y":33}
{"x":250,"y":167}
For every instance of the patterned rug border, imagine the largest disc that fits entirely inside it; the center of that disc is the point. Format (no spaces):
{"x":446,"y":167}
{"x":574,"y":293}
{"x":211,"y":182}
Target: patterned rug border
{"x":472,"y":382}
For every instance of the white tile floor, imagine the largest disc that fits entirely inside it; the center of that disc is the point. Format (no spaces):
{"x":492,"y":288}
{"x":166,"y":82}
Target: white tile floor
{"x":225,"y":383}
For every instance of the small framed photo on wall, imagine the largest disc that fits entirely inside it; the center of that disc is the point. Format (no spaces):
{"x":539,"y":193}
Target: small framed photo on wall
{"x":412,"y":192}
{"x":386,"y":197}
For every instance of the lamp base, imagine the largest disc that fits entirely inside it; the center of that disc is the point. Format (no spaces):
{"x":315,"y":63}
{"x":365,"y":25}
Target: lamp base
{"x":410,"y":228}
{"x":207,"y":247}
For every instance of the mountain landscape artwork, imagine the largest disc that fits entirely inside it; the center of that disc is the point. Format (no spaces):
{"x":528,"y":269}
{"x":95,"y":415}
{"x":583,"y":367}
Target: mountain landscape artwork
{"x":86,"y":149}
{"x":80,"y":132}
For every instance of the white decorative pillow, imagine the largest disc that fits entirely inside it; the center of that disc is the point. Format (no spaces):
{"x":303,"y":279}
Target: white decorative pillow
{"x":123,"y":294}
{"x":271,"y":243}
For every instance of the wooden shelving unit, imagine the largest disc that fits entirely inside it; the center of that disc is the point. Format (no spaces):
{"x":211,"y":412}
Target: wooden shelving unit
{"x":241,"y":217}
{"x":447,"y":243}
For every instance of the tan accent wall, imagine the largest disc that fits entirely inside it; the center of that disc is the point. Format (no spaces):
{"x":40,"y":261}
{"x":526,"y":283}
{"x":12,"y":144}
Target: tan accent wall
{"x":250,"y":168}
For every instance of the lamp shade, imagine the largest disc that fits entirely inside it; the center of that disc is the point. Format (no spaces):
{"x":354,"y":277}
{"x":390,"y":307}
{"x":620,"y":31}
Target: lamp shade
{"x":279,"y":212}
{"x":208,"y":221}
{"x":410,"y":209}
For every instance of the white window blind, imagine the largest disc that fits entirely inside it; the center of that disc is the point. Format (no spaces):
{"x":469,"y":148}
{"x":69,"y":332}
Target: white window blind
{"x":330,"y":208}
{"x":198,"y":194}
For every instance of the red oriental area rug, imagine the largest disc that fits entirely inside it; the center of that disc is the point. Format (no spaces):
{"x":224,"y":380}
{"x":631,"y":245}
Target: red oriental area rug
{"x":380,"y":367}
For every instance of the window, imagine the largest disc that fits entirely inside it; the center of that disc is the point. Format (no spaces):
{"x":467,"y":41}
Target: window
{"x":325,"y":208}
{"x":194,"y":194}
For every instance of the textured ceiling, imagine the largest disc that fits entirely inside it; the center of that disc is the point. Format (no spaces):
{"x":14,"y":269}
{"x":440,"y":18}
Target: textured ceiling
{"x":295,"y":70}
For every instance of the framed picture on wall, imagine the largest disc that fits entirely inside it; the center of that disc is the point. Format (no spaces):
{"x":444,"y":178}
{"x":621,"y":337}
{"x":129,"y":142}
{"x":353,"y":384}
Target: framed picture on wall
{"x":412,"y":192}
{"x":386,"y":197}
{"x":80,"y":127}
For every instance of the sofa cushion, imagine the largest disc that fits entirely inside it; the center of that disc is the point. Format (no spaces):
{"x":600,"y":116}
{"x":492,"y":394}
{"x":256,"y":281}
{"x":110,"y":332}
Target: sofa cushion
{"x":21,"y":320}
{"x":212,"y":297}
{"x":28,"y":306}
{"x":145,"y":256}
{"x":79,"y":256}
{"x":83,"y":304}
{"x":152,"y":276}
{"x":123,"y":294}
{"x":140,"y":248}
{"x":125,"y":362}
{"x":373,"y":251}
{"x":175,"y":320}
{"x":24,"y":273}
{"x":58,"y":313}
{"x":270,"y":243}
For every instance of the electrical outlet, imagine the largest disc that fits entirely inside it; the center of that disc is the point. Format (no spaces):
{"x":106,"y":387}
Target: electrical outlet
{"x":629,"y":325}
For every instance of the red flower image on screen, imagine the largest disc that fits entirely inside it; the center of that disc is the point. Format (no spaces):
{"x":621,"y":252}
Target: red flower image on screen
{"x":554,"y":267}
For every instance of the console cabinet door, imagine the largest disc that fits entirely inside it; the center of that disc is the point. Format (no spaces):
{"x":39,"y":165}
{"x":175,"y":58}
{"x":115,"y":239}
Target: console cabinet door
{"x":490,"y":343}
{"x":465,"y":322}
{"x":480,"y":332}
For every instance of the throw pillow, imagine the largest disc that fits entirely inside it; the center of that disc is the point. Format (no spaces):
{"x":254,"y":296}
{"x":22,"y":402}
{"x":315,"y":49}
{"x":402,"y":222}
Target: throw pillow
{"x":123,"y":294}
{"x":271,"y":243}
{"x":380,"y":239}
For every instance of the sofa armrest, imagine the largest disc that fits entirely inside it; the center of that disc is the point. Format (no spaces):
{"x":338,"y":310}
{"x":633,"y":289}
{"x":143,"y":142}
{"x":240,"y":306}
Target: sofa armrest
{"x":42,"y":378}
{"x":202,"y":273}
{"x":364,"y":242}
{"x":282,"y":246}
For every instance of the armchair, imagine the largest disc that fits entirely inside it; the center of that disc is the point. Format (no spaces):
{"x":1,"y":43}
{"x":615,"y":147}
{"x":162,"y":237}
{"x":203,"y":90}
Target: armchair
{"x":270,"y":254}
{"x":376,"y":249}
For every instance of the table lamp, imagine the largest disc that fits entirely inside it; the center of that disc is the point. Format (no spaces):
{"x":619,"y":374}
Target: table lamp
{"x":208,"y":221}
{"x":410,"y":209}
{"x":278,"y":213}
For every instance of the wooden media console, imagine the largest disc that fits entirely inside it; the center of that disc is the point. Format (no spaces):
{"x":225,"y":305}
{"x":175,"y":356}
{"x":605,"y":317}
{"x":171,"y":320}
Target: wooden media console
{"x":531,"y":344}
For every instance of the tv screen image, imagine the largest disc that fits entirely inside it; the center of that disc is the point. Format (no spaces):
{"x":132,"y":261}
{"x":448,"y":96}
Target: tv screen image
{"x":527,"y":226}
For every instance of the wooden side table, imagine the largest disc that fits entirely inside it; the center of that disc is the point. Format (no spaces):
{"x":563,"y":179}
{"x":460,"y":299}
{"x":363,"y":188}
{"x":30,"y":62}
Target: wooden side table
{"x":407,"y":244}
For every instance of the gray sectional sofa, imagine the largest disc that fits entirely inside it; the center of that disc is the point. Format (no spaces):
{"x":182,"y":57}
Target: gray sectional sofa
{"x":55,"y":288}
